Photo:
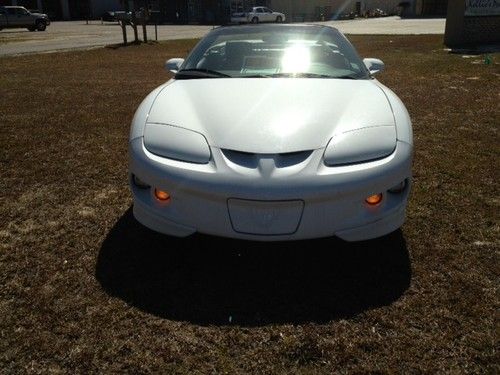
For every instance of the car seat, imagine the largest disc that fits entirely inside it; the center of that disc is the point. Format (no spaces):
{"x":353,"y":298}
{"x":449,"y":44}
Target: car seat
{"x":235,"y":53}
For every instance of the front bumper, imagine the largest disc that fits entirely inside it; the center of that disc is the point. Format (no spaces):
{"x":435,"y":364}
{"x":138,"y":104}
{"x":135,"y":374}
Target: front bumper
{"x":333,"y":197}
{"x":239,"y":20}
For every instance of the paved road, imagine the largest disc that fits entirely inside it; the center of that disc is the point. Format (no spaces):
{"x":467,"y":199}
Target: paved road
{"x":390,"y":26}
{"x":77,"y":34}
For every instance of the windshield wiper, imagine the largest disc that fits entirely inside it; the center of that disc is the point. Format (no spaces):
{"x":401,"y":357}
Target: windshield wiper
{"x":297,"y":75}
{"x":301,"y":75}
{"x":256,"y":76}
{"x":199,"y":73}
{"x":345,"y":77}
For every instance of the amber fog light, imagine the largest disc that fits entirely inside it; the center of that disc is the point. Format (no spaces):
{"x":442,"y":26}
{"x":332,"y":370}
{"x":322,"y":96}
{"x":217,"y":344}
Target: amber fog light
{"x":373,"y":200}
{"x":162,"y":195}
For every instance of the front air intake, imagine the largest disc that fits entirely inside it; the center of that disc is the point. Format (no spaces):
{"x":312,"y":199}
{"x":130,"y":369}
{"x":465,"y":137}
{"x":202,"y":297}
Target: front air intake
{"x":251,"y":160}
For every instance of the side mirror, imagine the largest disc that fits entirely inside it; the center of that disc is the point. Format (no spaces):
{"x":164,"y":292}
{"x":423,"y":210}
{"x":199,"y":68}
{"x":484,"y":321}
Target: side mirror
{"x":173,"y":65}
{"x":374,"y":65}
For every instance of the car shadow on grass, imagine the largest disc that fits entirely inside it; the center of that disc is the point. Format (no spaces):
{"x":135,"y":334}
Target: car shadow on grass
{"x":208,"y":280}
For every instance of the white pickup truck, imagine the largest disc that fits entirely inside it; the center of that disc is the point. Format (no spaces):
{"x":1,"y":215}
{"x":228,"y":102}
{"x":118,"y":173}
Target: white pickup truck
{"x":20,"y":17}
{"x":256,"y":15}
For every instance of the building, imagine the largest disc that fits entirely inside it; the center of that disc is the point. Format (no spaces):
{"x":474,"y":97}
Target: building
{"x":431,"y":8}
{"x":174,"y":11}
{"x":219,"y":11}
{"x":203,"y":11}
{"x":316,"y":10}
{"x":68,"y":9}
{"x":473,"y":25}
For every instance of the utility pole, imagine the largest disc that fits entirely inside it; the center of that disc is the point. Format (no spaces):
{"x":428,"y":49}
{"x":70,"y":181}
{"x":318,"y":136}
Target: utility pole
{"x":134,"y":27}
{"x":145,"y":17}
{"x":123,"y":25}
{"x":88,"y":13}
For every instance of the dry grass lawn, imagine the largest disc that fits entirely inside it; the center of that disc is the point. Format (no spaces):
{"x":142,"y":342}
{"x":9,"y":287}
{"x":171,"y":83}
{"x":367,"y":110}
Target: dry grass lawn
{"x":85,"y":288}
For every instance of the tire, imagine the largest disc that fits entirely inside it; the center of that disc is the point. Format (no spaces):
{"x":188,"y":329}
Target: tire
{"x":41,"y":25}
{"x":255,"y":20}
{"x":279,"y":19}
{"x":32,"y":28}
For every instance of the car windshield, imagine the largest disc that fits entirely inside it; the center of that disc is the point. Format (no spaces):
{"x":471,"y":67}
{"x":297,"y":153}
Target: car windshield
{"x":275,"y":51}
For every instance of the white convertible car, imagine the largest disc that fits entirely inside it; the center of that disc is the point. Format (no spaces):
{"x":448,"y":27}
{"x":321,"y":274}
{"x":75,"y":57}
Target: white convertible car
{"x":272,"y":132}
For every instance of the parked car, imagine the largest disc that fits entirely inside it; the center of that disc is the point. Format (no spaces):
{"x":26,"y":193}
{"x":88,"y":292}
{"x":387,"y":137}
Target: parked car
{"x":377,"y":12}
{"x":117,"y":16}
{"x":20,"y":17}
{"x":272,"y":132}
{"x":109,"y":16}
{"x":258,"y":14}
{"x":346,"y":16}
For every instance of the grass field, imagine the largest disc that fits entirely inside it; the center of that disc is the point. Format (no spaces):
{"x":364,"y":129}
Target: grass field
{"x":85,"y":288}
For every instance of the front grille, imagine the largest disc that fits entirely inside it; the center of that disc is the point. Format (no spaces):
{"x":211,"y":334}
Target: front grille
{"x":251,"y":160}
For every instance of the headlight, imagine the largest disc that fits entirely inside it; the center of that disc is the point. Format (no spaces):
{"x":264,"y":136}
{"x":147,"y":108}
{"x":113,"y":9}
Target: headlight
{"x":176,"y":143}
{"x":361,"y":145}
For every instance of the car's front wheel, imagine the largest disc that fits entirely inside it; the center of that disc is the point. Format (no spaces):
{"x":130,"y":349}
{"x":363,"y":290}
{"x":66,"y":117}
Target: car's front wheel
{"x":255,"y":20}
{"x":41,"y":25}
{"x":279,"y":19}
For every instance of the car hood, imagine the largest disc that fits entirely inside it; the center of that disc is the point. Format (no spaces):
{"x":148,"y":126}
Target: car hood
{"x":271,"y":115}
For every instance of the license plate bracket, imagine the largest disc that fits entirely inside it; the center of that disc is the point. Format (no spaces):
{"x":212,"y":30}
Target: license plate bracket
{"x":265,"y":217}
